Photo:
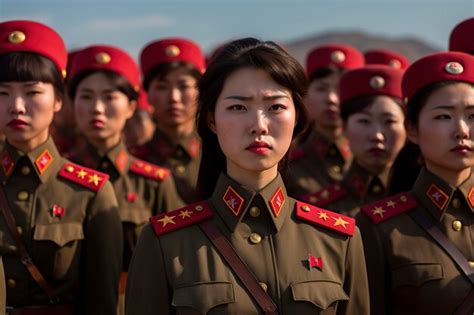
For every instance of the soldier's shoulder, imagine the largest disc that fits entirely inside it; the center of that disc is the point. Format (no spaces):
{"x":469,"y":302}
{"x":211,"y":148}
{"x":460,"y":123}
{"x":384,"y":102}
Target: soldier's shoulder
{"x":149,"y":170}
{"x":181,"y":218}
{"x":390,"y":207}
{"x":83,"y":176}
{"x":326,"y":195}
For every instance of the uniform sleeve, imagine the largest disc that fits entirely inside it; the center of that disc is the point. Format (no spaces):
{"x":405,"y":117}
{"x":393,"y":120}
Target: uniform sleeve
{"x":168,"y":197}
{"x":147,"y":288}
{"x":355,"y":283}
{"x":103,"y":254}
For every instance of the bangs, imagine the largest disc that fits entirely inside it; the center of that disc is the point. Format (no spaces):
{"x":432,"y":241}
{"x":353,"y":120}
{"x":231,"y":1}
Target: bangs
{"x":25,"y":66}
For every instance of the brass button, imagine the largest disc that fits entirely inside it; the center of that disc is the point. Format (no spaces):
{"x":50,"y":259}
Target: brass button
{"x":305,"y":208}
{"x":335,"y":169}
{"x":19,"y":230}
{"x":471,"y":264}
{"x":376,"y":189}
{"x":457,"y":225}
{"x":255,"y":238}
{"x":180,"y":169}
{"x":199,"y":208}
{"x":22,"y":195}
{"x":11,"y":283}
{"x":264,"y":286}
{"x":254,"y":212}
{"x":25,"y":170}
{"x":70,"y":169}
{"x":456,"y":203}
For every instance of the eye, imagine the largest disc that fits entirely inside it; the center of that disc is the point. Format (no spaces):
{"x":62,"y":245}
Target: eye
{"x":363,"y":121}
{"x":442,"y":117}
{"x":277,"y":107}
{"x":85,"y":96}
{"x":33,"y":92}
{"x":4,"y":93}
{"x":390,"y":121}
{"x":236,"y":107}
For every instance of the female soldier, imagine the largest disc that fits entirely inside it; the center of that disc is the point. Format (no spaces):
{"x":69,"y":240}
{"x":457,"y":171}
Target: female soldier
{"x":372,"y":113}
{"x":171,"y":69}
{"x":323,"y":156}
{"x":418,"y":245}
{"x":386,"y":57}
{"x":60,"y":230}
{"x":301,"y":259}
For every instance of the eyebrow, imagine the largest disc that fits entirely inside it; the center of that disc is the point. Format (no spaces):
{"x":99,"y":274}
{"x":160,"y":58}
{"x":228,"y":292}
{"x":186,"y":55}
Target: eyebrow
{"x":89,"y":90}
{"x":246,"y":98}
{"x":469,"y":106}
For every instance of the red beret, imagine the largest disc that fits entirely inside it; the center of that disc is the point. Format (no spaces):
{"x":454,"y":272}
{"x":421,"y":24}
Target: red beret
{"x":107,"y":58}
{"x":71,"y":55}
{"x":462,"y":37}
{"x":143,"y":101}
{"x":169,"y":50}
{"x":386,"y":57}
{"x":438,"y":67}
{"x":30,"y":36}
{"x":342,"y":56}
{"x":371,"y":80}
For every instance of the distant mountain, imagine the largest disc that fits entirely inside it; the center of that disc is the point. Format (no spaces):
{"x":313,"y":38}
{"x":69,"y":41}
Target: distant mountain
{"x":412,"y":48}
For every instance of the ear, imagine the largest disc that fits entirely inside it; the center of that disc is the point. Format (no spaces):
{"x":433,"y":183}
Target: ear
{"x":211,"y":122}
{"x":132,"y":105}
{"x":412,"y":132}
{"x":58,"y":104}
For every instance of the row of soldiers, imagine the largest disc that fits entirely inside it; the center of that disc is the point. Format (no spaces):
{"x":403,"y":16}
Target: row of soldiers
{"x":70,"y":226}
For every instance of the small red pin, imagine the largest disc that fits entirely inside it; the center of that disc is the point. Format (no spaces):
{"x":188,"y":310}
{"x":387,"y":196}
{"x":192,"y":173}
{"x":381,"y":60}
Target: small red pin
{"x":313,"y":262}
{"x":131,"y":197}
{"x":58,"y":211}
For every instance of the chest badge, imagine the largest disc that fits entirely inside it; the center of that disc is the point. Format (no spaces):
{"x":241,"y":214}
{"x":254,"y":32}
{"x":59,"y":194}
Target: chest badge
{"x":131,"y":197}
{"x":57,"y":211}
{"x":314,"y":262}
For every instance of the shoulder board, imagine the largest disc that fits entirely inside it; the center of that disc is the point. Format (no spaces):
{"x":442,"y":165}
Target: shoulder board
{"x":84,"y":176}
{"x":167,"y":222}
{"x":296,"y":154}
{"x":325,"y":196}
{"x":149,"y":170}
{"x":328,"y":219}
{"x":390,"y":207}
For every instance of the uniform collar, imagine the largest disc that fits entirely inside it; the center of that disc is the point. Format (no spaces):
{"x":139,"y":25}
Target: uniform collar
{"x":325,"y":148}
{"x":190,"y":145}
{"x":232,"y":201}
{"x":436,"y":195}
{"x":45,"y":160}
{"x":362,"y":184}
{"x":117,"y":158}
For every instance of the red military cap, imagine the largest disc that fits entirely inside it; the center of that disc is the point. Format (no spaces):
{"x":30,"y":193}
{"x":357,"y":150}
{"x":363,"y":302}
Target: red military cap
{"x":101,"y":57}
{"x":30,"y":36}
{"x":342,"y":56}
{"x":386,"y":57}
{"x":438,"y":67}
{"x":143,"y":101}
{"x":169,"y":50}
{"x":71,"y":55}
{"x":371,"y":80}
{"x":462,"y":37}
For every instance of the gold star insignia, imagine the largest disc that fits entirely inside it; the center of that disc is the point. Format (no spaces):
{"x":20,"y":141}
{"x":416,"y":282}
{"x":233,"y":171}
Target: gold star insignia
{"x":391,"y":203}
{"x":340,"y":221}
{"x":323,"y":215}
{"x":378,"y":210}
{"x":81,"y":174}
{"x":160,"y":173}
{"x":325,"y":194}
{"x":185,"y":214}
{"x":147,"y":168}
{"x":167,"y":220}
{"x":94,"y":179}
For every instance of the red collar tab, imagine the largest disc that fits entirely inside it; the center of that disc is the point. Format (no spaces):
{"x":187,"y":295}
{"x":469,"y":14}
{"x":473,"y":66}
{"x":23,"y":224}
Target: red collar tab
{"x":389,"y":207}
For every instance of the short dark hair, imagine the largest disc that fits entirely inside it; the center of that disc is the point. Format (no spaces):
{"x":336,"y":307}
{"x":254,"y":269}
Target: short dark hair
{"x":118,"y":81}
{"x":161,"y":70}
{"x":244,"y":53}
{"x":325,"y":72}
{"x":28,"y":66}
{"x":358,"y":104}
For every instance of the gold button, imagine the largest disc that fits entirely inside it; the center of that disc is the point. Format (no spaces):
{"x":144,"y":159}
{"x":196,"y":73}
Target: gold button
{"x":471,"y":264}
{"x":25,"y":170}
{"x":376,"y":189}
{"x":254,"y":212}
{"x":336,"y":169}
{"x":22,"y":195}
{"x":305,"y":208}
{"x":19,"y":230}
{"x":456,"y":203}
{"x":198,"y":208}
{"x":457,"y":225}
{"x":11,"y":283}
{"x":255,"y":238}
{"x":69,"y":169}
{"x":17,"y":37}
{"x":103,"y":58}
{"x":180,"y":169}
{"x":264,"y":286}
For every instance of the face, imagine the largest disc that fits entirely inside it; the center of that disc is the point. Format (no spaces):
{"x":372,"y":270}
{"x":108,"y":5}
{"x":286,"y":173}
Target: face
{"x":174,"y":98}
{"x":377,"y":134}
{"x":26,"y":111}
{"x":101,"y":110}
{"x":445,"y":129}
{"x":322,"y":101}
{"x":254,"y":121}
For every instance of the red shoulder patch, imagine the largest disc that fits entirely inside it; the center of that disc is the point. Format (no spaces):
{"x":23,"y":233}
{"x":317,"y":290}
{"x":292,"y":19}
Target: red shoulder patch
{"x":84,"y":176}
{"x":389,"y":207}
{"x":149,"y":170}
{"x":325,"y":196}
{"x":177,"y":219}
{"x":322,"y":217}
{"x":296,"y":154}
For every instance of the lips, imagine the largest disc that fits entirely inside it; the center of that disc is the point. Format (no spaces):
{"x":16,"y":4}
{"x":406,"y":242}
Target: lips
{"x":461,"y":148}
{"x":259,"y":147}
{"x":97,"y":123}
{"x":17,"y":124}
{"x":377,"y":151}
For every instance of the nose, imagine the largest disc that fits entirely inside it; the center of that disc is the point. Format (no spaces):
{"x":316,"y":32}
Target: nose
{"x":377,"y":134}
{"x":333,"y":97}
{"x":259,"y":124}
{"x":99,"y":106}
{"x":462,"y":130}
{"x":175,"y":95}
{"x":19,"y":106}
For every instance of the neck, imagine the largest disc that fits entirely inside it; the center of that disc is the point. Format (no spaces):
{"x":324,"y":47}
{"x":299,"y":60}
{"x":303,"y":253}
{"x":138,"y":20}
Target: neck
{"x":329,"y":133}
{"x":177,"y":132}
{"x":255,"y":180}
{"x":105,"y":145}
{"x":454,"y":178}
{"x":32,"y":144}
{"x":382,"y":172}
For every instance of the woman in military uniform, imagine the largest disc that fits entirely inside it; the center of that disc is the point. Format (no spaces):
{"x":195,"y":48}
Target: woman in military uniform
{"x":418,"y":244}
{"x":248,"y":248}
{"x":372,"y":112}
{"x":60,"y":232}
{"x":171,"y":69}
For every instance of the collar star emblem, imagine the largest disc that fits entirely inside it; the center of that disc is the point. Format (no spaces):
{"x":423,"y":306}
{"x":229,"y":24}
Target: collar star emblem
{"x":323,"y":215}
{"x":378,"y":210}
{"x":231,"y":202}
{"x":185,"y":214}
{"x":94,"y":179}
{"x":436,"y":195}
{"x":81,"y":174}
{"x":167,"y":220}
{"x":391,"y":204}
{"x":340,"y":221}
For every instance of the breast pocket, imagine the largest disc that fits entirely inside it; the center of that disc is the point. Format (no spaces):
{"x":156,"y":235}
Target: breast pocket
{"x":322,"y":294}
{"x":57,"y":248}
{"x":416,"y":274}
{"x":200,"y":298}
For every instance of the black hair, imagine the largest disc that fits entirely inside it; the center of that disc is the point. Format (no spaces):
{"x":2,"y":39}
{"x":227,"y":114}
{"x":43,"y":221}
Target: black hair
{"x":162,"y":70}
{"x":358,"y":104}
{"x":324,"y":72}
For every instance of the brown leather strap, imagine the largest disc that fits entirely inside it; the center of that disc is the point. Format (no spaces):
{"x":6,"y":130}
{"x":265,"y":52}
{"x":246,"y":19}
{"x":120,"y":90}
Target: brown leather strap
{"x":66,"y":309}
{"x":238,"y":266}
{"x":467,"y":307}
{"x":24,"y":255}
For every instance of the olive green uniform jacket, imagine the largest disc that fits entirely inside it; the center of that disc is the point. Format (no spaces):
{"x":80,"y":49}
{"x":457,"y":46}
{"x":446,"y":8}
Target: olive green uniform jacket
{"x":181,"y":272}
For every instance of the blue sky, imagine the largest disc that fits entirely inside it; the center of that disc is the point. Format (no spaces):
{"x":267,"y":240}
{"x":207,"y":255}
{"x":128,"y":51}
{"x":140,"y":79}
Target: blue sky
{"x":130,"y":24}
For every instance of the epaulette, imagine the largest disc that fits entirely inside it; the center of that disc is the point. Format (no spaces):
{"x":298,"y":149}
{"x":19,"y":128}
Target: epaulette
{"x":296,"y":154}
{"x":177,"y":219}
{"x":325,"y":196}
{"x":149,"y":170}
{"x":390,"y":207}
{"x":84,"y":176}
{"x":328,"y":219}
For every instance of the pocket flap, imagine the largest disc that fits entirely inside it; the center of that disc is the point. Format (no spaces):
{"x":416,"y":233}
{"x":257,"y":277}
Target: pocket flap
{"x":136,"y":216}
{"x":320,"y":293}
{"x":417,"y":274}
{"x":203,"y":296}
{"x":60,"y":233}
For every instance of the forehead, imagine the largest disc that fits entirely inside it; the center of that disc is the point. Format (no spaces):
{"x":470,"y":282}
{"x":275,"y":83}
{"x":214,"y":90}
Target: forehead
{"x":15,"y":84}
{"x":180,"y":73}
{"x":381,"y":105}
{"x":251,"y":82}
{"x":96,"y":80}
{"x":456,"y":94}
